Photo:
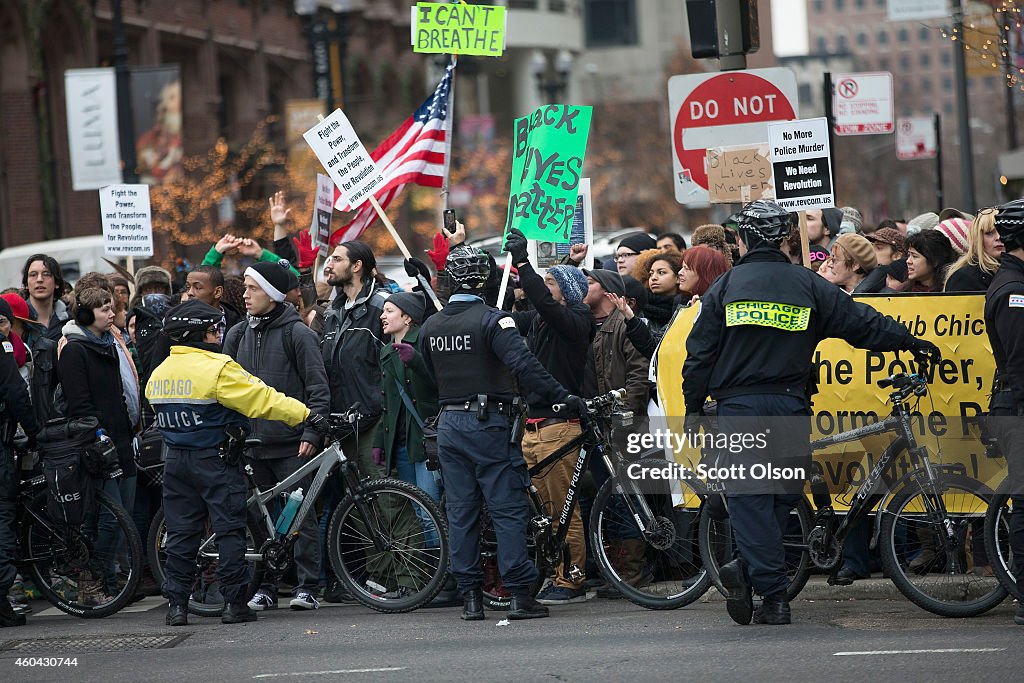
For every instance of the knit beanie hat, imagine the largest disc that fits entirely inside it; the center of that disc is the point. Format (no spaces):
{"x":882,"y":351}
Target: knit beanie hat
{"x":860,"y":250}
{"x":409,"y":303}
{"x":956,"y":230}
{"x":274,"y":278}
{"x":571,"y":281}
{"x":852,"y":220}
{"x":926,"y":221}
{"x":833,"y":220}
{"x":639,"y":241}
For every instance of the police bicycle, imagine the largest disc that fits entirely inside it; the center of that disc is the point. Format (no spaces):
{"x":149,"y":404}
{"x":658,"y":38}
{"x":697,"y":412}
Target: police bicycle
{"x":928,"y":519}
{"x":643,"y":546}
{"x":60,"y":559}
{"x":997,"y":518}
{"x":387,"y":540}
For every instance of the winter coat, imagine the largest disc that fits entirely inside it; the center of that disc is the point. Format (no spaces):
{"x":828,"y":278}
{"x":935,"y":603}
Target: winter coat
{"x":261,"y":351}
{"x":617,"y":364}
{"x":90,"y":376}
{"x":351,"y":352}
{"x":422,"y":391}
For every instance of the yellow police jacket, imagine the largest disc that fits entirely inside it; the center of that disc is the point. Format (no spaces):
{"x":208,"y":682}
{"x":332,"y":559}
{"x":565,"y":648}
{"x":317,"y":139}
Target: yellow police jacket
{"x":197,"y":393}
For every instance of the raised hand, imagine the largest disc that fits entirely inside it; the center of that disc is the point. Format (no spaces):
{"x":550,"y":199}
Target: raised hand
{"x":226,"y":244}
{"x":279,"y":211}
{"x":305,"y":249}
{"x":578,"y":253}
{"x":250,"y":247}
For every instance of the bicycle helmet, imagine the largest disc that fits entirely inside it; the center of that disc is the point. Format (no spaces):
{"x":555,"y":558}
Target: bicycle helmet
{"x":467,"y":268}
{"x":188,"y":322}
{"x":1009,"y":224}
{"x":763,"y":220}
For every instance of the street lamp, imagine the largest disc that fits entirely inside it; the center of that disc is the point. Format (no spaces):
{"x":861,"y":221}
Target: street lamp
{"x":551,"y":88}
{"x":316,"y":31}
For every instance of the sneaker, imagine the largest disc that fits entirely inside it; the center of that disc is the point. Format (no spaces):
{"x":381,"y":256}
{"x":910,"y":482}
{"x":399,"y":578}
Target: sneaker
{"x":17,"y":590}
{"x":304,"y":600}
{"x":8,"y":617}
{"x":561,"y":595}
{"x":262,"y":601}
{"x":18,"y":607}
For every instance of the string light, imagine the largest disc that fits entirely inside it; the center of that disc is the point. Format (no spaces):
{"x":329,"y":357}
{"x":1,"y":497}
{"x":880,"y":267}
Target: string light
{"x":993,"y":50}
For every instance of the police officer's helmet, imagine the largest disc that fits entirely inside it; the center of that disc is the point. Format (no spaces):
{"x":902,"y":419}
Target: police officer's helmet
{"x":188,"y":322}
{"x":467,"y":268}
{"x":1010,"y":224}
{"x":764,"y":220}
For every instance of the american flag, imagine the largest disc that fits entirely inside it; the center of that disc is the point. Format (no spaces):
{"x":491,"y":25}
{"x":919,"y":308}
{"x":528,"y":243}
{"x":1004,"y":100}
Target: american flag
{"x":415,"y":153}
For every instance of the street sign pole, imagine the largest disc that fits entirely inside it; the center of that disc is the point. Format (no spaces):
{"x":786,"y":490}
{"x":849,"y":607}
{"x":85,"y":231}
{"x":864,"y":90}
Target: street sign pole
{"x":831,"y":117}
{"x":938,"y":161}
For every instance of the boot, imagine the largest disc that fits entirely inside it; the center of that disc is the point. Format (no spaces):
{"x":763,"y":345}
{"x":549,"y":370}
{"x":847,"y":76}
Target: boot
{"x":1018,"y":618}
{"x":739,"y":601}
{"x":448,"y":597}
{"x":524,"y":606}
{"x":7,"y":615}
{"x":177,"y":615}
{"x":774,"y":610}
{"x":473,"y":605}
{"x":237,"y":613}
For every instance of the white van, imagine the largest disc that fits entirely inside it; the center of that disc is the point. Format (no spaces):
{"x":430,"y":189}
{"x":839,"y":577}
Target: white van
{"x":76,"y":255}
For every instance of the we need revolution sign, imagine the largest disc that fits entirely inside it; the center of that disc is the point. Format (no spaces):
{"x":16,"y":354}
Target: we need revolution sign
{"x":801,"y":167}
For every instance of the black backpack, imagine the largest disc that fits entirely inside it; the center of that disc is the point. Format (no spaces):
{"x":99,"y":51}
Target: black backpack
{"x":64,"y":446}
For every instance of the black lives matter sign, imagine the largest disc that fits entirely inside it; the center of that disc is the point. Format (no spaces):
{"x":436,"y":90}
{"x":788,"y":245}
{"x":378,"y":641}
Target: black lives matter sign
{"x":801,"y":166}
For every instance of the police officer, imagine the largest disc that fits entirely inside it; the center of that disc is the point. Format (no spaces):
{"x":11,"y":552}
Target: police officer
{"x":1004,"y":320}
{"x":15,"y":408}
{"x":197,"y":393}
{"x":475,"y":352}
{"x":750,"y":349}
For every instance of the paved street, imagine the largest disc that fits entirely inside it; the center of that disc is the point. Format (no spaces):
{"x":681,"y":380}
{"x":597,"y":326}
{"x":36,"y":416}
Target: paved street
{"x":599,"y":640}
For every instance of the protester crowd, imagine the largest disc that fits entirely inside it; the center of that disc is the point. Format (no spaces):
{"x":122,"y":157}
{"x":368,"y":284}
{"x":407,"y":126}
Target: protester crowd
{"x":89,"y":350}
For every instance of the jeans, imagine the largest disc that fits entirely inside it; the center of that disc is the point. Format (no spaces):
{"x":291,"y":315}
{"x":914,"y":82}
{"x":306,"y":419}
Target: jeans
{"x":109,"y":540}
{"x":418,"y":474}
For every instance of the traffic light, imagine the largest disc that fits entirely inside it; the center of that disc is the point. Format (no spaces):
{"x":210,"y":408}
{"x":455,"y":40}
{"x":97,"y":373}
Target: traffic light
{"x":715,"y":25}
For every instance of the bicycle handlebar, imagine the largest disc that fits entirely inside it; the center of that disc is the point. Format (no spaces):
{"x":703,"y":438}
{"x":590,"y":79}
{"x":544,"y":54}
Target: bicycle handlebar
{"x":609,"y":399}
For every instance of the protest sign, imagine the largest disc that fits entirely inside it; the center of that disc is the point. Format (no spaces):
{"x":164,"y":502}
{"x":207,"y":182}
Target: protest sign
{"x":848,"y":396}
{"x":458,"y":29}
{"x":546,"y":254}
{"x":801,"y":165}
{"x":547,"y":162}
{"x":126,"y":218}
{"x":323,"y":211}
{"x":739,"y":174}
{"x":350,"y":166}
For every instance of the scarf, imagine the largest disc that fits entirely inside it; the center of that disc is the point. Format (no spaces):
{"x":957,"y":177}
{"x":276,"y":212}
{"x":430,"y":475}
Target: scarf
{"x":257,"y":321}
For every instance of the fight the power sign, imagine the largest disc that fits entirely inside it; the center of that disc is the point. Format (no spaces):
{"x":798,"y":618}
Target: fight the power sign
{"x":801,"y":167}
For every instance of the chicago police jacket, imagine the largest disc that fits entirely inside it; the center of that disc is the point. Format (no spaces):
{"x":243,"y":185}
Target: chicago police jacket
{"x":197,"y":393}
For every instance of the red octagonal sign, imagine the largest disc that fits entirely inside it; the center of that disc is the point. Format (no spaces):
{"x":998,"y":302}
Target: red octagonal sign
{"x":723,"y":109}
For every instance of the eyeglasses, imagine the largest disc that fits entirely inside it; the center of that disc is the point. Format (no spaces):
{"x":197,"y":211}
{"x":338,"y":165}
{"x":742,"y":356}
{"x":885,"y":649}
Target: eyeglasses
{"x":623,"y":255}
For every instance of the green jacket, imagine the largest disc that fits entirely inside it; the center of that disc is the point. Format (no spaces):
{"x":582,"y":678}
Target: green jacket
{"x":214,"y":258}
{"x":421,"y":390}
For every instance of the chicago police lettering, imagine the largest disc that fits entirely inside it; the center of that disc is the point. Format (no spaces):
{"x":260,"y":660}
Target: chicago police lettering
{"x":767,"y":314}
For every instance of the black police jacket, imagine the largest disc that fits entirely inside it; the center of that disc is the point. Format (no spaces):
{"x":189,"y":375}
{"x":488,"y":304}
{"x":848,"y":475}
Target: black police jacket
{"x":470,"y":348}
{"x":760,"y":322}
{"x":15,"y":404}
{"x":1004,"y":321}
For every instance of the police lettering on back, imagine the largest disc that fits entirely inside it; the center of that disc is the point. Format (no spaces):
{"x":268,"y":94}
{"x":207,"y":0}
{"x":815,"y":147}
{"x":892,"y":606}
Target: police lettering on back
{"x":178,"y":419}
{"x":448,"y":343}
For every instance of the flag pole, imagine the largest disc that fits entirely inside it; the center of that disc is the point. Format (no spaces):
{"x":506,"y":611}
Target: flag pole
{"x":404,"y":249}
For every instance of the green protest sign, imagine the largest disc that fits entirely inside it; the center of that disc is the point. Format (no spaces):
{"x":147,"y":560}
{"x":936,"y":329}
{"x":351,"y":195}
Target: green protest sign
{"x":547,"y":162}
{"x":458,"y":29}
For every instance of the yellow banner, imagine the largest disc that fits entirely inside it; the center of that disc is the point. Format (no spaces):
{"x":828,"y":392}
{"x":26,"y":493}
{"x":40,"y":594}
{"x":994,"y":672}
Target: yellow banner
{"x":848,"y":396}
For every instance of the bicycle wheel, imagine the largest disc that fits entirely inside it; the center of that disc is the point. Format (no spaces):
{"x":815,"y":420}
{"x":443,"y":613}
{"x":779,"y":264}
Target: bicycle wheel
{"x":658,"y":567}
{"x":206,"y":599}
{"x":89,"y":571}
{"x":997,"y":539}
{"x":717,"y":547}
{"x":929,"y":568}
{"x":409,"y":567}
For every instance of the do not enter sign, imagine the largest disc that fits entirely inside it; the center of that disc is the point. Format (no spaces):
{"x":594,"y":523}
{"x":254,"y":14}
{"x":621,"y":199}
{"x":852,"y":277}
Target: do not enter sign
{"x":720,"y":109}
